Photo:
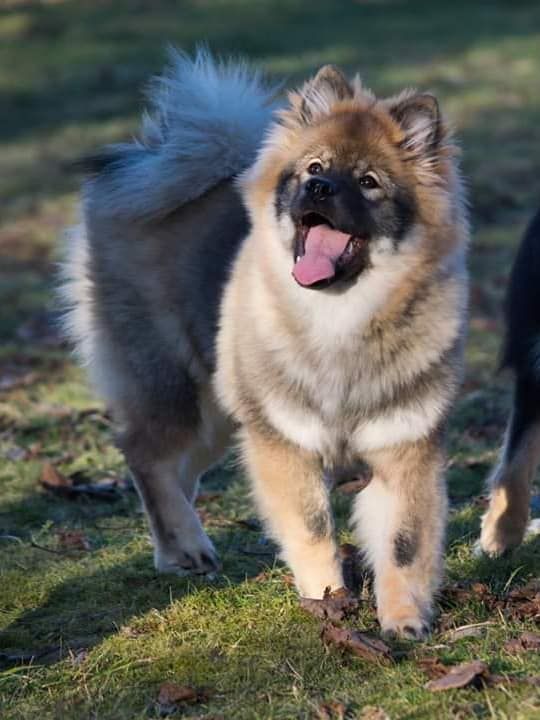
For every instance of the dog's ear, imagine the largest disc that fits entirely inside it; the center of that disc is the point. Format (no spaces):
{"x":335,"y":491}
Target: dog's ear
{"x":419,"y":117}
{"x":319,"y":95}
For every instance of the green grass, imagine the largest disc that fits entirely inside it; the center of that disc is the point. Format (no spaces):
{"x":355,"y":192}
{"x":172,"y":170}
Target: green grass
{"x":107,"y":631}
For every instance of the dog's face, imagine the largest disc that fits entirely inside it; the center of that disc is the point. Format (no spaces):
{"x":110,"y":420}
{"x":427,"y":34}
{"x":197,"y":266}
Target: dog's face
{"x":346,"y":177}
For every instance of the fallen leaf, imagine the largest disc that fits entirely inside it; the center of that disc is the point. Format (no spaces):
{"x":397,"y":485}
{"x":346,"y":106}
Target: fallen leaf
{"x":53,"y":479}
{"x":171,"y":693}
{"x":337,"y":605}
{"x":523,"y":603}
{"x":526,"y":641}
{"x":471,"y":673}
{"x":73,"y":540}
{"x":458,"y":594}
{"x":171,"y":696}
{"x":358,"y":643}
{"x":370,"y":712}
{"x":331,"y":710}
{"x":432,"y":666}
{"x":74,"y":485}
{"x":479,"y":589}
{"x":494,"y":680}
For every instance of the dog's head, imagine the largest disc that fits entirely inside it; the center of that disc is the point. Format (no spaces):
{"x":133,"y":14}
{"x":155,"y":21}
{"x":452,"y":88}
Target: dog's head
{"x":344,"y":176}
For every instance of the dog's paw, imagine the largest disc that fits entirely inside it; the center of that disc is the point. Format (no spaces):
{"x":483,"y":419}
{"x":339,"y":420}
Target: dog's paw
{"x":411,"y":627}
{"x":189,"y":556}
{"x":500,"y":533}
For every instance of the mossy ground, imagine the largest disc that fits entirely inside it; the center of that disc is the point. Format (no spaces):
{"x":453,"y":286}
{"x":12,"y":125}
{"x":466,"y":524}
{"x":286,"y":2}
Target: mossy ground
{"x":107,"y":630}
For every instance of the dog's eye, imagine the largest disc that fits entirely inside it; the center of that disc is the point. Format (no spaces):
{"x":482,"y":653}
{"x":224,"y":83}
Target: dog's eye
{"x":315,"y":168}
{"x":368,"y":182}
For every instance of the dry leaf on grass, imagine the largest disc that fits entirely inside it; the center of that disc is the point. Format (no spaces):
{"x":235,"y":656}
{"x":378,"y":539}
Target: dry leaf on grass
{"x":526,"y":641}
{"x":358,"y":643}
{"x":519,"y":604}
{"x":80,"y":484}
{"x":53,"y":479}
{"x":331,"y":710}
{"x":474,"y":673}
{"x":72,"y":540}
{"x":524,"y":603}
{"x":458,"y":594}
{"x":171,"y":696}
{"x":337,"y":605}
{"x":432,"y":666}
{"x":370,"y":712}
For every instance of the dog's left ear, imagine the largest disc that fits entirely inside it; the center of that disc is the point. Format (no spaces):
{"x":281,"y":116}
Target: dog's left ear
{"x":319,"y":95}
{"x":419,"y":116}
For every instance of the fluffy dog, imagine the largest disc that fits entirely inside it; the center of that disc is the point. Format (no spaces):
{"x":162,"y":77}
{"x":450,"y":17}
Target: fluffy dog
{"x":306,"y":268}
{"x":506,"y":519}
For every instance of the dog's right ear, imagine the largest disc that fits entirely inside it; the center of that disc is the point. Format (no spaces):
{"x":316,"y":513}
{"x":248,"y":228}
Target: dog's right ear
{"x":318,"y":96}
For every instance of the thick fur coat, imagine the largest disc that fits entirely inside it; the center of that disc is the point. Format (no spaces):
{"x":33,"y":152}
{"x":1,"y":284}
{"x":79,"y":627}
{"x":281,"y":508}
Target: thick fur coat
{"x":307,"y":269}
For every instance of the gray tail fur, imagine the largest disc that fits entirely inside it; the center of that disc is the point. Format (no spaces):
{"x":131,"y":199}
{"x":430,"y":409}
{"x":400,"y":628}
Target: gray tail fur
{"x":204,"y":125}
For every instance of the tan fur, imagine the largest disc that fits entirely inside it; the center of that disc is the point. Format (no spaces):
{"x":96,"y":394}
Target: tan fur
{"x":411,"y":500}
{"x":290,"y":493}
{"x":505,"y":522}
{"x":316,"y":377}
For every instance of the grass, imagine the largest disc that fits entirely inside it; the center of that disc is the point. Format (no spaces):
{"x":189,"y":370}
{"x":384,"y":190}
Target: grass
{"x":105,"y":630}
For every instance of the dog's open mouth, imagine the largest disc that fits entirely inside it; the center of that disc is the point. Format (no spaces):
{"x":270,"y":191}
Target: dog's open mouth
{"x":323,"y":253}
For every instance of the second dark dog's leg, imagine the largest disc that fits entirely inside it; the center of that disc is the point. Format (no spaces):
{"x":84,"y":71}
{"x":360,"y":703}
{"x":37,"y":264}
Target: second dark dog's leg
{"x":505,"y":521}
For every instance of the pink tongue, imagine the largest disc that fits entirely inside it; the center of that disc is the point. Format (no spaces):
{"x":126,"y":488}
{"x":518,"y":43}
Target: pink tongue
{"x":323,"y":246}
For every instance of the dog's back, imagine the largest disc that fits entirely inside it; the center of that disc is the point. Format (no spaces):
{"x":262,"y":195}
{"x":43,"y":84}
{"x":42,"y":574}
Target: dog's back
{"x":143,"y":276}
{"x":505,"y":522}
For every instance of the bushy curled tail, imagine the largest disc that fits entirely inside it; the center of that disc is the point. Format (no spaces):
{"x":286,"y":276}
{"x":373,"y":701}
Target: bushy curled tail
{"x":204,"y":125}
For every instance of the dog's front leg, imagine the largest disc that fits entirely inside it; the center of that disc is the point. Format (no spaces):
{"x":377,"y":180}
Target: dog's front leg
{"x":293,"y":500}
{"x":400,"y":520}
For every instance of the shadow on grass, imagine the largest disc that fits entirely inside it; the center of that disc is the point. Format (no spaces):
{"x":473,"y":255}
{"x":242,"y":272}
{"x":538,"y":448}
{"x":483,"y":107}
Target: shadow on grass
{"x":86,"y":607}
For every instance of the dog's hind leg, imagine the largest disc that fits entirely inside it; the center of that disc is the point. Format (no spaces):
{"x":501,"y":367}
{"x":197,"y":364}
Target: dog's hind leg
{"x":505,"y":522}
{"x":293,"y":500}
{"x":166,"y":470}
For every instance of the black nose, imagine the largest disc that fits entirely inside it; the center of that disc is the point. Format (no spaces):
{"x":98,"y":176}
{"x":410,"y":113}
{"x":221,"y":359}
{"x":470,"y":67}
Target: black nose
{"x":320,"y":188}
